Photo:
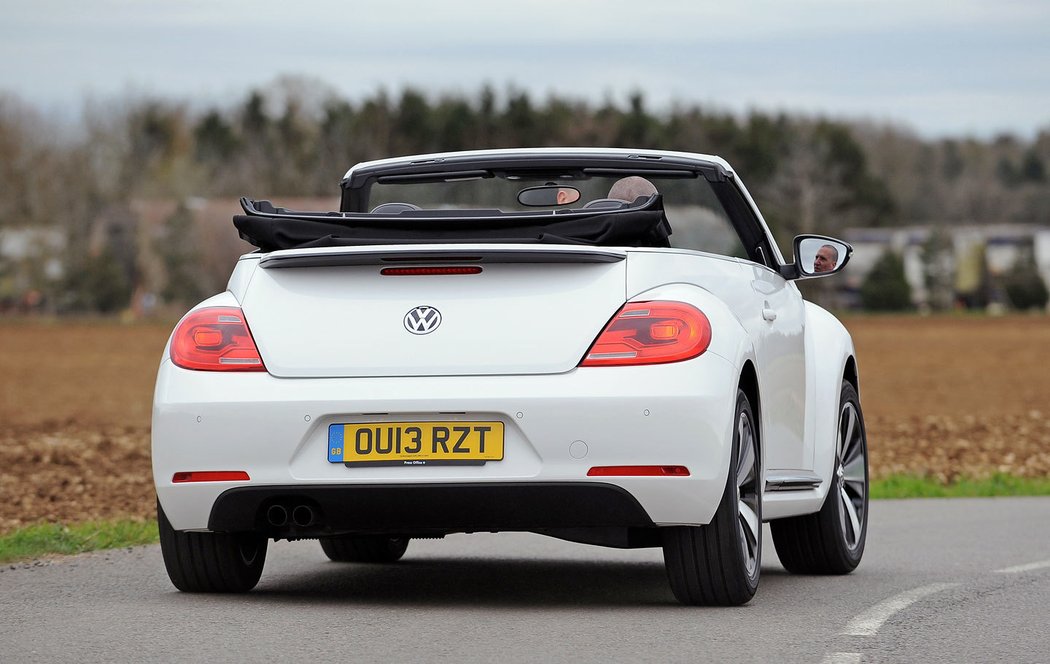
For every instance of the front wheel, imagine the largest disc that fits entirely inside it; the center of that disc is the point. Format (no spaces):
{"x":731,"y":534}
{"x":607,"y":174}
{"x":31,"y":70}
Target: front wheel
{"x":210,"y":562}
{"x":832,"y":540}
{"x":719,"y":563}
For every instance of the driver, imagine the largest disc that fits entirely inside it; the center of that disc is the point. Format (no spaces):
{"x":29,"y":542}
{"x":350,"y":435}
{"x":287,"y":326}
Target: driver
{"x":629,"y":188}
{"x":826,"y":260}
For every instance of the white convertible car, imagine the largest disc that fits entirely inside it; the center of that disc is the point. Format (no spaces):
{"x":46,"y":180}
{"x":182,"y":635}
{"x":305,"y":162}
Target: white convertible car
{"x":600,"y":345}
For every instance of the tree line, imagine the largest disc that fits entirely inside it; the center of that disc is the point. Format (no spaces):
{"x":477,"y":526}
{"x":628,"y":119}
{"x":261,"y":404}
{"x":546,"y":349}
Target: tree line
{"x":76,"y":184}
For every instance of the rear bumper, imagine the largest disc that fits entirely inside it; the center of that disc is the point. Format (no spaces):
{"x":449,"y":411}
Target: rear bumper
{"x":313,"y":511}
{"x":557,"y":428}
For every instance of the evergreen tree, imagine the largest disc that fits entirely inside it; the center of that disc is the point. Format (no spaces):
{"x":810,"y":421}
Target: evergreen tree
{"x":886,"y":288}
{"x":1024,"y":286}
{"x":178,"y":252}
{"x":98,"y":283}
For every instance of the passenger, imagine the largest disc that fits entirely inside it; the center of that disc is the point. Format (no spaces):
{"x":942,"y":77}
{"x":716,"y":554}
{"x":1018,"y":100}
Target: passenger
{"x":826,"y":260}
{"x":629,"y":188}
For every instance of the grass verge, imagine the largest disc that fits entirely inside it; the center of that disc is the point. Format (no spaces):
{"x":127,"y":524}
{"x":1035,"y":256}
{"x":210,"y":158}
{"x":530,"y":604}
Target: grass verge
{"x":999,"y":484}
{"x":52,"y":538}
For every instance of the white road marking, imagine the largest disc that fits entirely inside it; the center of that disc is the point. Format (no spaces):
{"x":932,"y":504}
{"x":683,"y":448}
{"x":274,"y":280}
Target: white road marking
{"x":869,"y":622}
{"x":841,"y":658}
{"x":1023,"y":568}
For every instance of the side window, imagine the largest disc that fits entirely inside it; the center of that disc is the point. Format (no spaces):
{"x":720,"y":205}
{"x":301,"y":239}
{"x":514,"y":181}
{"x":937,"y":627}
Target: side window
{"x":703,"y":229}
{"x":698,"y":220}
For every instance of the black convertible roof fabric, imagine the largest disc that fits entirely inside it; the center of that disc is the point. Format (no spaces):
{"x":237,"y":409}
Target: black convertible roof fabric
{"x":271,"y":229}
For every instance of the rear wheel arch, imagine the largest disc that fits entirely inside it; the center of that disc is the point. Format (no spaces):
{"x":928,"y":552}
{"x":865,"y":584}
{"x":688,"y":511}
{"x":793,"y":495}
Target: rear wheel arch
{"x":749,"y":385}
{"x":849,"y":373}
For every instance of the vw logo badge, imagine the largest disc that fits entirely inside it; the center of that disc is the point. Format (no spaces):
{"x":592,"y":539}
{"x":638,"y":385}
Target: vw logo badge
{"x":422,"y":320}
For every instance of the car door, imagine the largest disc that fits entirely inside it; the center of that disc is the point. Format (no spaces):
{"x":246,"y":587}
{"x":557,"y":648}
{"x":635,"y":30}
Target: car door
{"x":775,"y":320}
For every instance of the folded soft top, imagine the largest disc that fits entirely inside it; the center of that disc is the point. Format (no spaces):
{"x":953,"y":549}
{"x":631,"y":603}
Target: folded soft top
{"x":269,"y":228}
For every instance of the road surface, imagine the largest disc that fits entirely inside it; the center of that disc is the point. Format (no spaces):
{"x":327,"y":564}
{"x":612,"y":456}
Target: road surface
{"x":956,"y":580}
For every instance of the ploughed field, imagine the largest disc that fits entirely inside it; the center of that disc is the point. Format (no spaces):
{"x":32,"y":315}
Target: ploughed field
{"x":944,"y":397}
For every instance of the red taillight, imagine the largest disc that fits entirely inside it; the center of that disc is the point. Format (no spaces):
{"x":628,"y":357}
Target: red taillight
{"x":639,"y":471}
{"x":215,"y":339}
{"x":428,"y":271}
{"x":210,"y":476}
{"x":651,"y":333}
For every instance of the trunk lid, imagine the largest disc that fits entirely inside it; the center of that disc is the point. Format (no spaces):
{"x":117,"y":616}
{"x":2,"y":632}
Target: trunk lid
{"x":332,"y":312}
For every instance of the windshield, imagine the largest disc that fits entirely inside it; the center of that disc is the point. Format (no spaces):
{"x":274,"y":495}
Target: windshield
{"x":698,"y":220}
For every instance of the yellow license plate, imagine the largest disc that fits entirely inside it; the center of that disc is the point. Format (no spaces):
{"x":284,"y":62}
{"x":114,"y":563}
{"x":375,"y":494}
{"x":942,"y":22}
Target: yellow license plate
{"x":415,"y":443}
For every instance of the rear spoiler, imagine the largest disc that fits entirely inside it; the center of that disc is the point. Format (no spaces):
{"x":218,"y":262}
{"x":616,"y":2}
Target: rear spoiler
{"x":273,"y":229}
{"x":438,"y":254}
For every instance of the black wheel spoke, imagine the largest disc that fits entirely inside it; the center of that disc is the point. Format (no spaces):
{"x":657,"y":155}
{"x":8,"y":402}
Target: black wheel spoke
{"x":749,"y":523}
{"x":746,"y":466}
{"x":851,"y":519}
{"x":847,"y":427}
{"x":852,"y":471}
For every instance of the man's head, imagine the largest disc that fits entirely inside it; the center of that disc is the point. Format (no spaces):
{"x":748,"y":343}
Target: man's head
{"x":826,"y":260}
{"x":629,"y":188}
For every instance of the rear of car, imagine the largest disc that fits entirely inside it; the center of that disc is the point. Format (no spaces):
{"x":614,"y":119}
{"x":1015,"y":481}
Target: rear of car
{"x":498,"y":412}
{"x":481,"y":342}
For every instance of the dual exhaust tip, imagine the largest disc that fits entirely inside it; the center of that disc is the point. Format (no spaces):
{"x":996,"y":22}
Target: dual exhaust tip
{"x":300,"y":516}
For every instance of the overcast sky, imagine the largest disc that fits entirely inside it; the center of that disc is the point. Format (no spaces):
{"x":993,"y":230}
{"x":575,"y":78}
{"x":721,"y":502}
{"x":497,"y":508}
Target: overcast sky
{"x":939,"y":67}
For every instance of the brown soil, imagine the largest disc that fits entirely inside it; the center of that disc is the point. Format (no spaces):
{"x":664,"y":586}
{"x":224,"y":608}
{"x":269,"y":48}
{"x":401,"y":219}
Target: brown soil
{"x":943,"y":397}
{"x":946,"y":397}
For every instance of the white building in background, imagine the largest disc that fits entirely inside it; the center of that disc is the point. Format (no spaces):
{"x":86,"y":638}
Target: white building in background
{"x":1001,"y":246}
{"x":34,"y":244}
{"x":30,"y":259}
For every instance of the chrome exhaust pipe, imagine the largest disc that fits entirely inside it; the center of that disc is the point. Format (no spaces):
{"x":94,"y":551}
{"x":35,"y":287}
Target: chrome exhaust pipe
{"x":303,"y":516}
{"x":277,"y":515}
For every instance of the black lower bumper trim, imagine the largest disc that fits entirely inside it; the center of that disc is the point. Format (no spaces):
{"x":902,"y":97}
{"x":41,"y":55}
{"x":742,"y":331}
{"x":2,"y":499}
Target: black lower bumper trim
{"x":428,"y":508}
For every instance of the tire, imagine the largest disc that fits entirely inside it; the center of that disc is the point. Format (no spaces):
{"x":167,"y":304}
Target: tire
{"x":832,"y":540}
{"x":211,"y":562}
{"x":364,"y":548}
{"x":720,"y":563}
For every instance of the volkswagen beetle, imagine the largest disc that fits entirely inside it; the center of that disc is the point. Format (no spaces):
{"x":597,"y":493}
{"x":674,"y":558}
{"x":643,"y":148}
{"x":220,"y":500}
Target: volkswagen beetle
{"x":600,"y":345}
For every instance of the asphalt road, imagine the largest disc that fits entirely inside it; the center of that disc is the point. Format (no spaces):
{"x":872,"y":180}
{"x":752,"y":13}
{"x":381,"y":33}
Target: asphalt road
{"x":960,"y":580}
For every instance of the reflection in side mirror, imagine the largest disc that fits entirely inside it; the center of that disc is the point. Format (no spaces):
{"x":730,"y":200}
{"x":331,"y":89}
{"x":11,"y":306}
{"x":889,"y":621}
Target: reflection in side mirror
{"x":817,"y":256}
{"x":548,"y":195}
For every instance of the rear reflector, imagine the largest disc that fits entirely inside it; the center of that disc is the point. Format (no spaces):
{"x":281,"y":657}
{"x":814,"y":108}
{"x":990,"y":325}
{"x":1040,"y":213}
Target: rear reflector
{"x":651,"y":333}
{"x":639,"y":471}
{"x":211,"y":476}
{"x":428,"y":271}
{"x":215,"y":339}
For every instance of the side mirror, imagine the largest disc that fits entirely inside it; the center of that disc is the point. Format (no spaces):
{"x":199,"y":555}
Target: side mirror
{"x":819,"y":256}
{"x":547,"y":195}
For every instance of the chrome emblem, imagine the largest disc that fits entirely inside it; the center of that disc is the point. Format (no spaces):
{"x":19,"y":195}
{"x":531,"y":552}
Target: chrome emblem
{"x":422,"y":320}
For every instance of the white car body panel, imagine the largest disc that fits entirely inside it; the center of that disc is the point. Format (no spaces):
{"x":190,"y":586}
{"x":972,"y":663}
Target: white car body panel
{"x":327,"y":322}
{"x":775,"y":320}
{"x":277,"y":432}
{"x":777,"y":345}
